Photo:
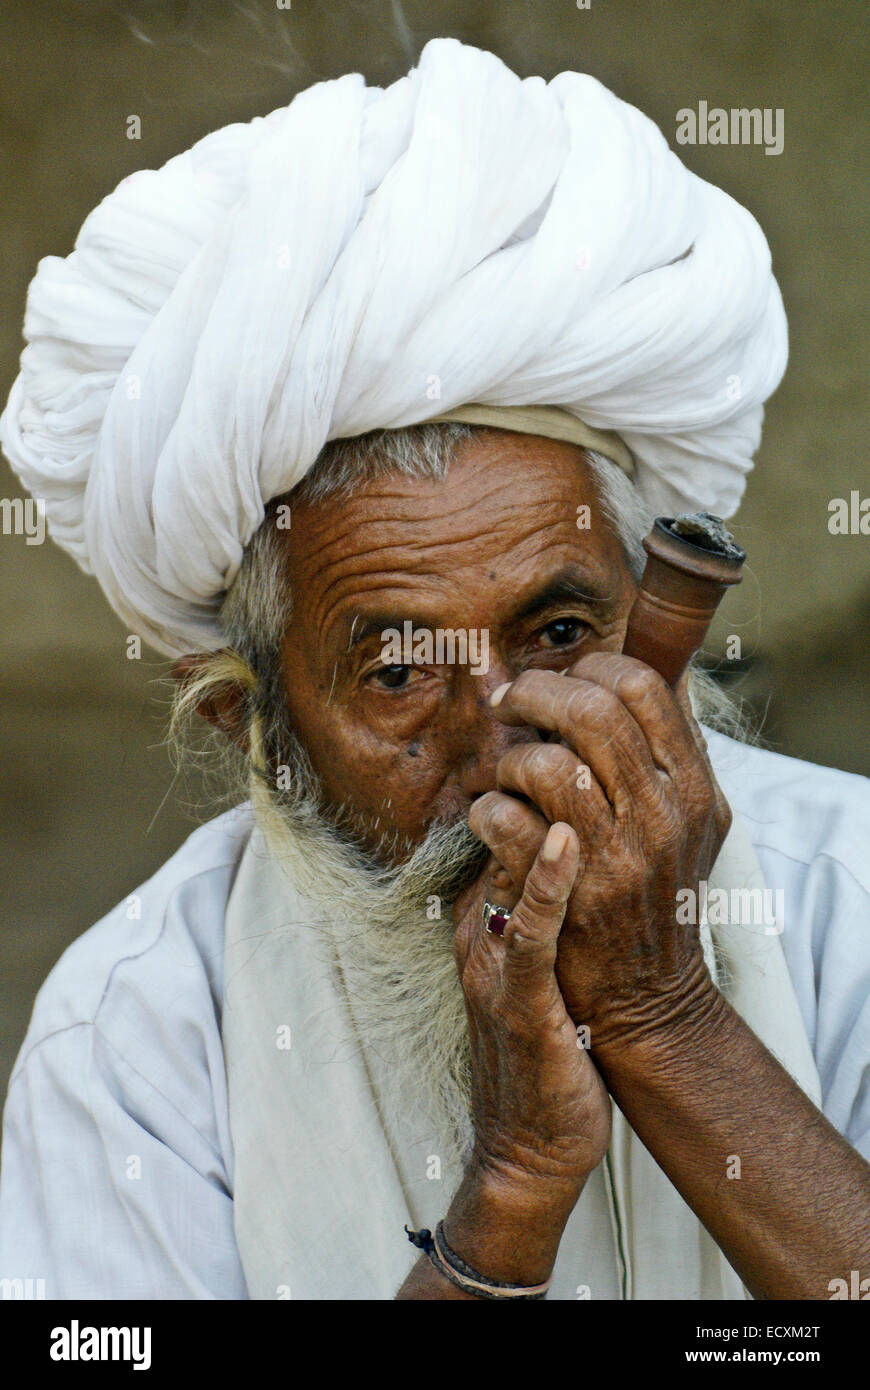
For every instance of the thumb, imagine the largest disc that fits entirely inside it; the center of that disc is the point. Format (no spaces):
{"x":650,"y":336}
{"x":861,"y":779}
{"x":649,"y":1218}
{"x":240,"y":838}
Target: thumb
{"x":532,"y":934}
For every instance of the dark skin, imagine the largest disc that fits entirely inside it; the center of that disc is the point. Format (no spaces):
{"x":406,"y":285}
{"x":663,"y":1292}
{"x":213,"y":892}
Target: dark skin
{"x":593,"y":938}
{"x":437,"y":554}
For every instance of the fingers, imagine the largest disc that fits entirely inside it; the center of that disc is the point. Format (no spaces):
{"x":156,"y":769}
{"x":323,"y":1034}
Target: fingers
{"x":512,"y":830}
{"x":562,"y":785}
{"x":619,"y":716}
{"x":592,"y":721}
{"x":531,"y":936}
{"x":681,"y":694}
{"x":531,"y":933}
{"x":467,"y":911}
{"x":501,"y":891}
{"x":650,"y":702}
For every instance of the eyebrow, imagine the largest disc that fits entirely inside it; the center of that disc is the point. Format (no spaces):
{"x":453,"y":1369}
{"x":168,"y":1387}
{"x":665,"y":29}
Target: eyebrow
{"x":569,"y":585}
{"x":375,"y":623}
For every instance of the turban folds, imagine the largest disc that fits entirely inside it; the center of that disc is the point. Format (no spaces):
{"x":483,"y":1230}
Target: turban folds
{"x":369,"y":258}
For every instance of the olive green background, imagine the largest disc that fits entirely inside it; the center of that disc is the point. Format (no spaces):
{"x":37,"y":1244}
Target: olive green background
{"x":88,"y":805}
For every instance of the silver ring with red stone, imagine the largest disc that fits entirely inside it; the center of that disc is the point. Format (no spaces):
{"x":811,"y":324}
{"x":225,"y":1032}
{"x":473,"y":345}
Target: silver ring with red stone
{"x":495,"y":918}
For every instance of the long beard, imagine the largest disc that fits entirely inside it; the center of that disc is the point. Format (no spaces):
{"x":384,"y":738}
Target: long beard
{"x":391,"y":929}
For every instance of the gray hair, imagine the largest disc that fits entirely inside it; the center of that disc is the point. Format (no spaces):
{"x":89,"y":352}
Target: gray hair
{"x":257,"y":607}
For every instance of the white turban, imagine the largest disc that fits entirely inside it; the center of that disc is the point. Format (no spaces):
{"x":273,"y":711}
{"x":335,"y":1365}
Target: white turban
{"x":368,"y":258}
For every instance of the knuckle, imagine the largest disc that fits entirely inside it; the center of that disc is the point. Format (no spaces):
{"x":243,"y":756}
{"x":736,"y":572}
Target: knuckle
{"x":523,"y":940}
{"x":657,"y":797}
{"x":672,"y":831}
{"x":566,"y":772}
{"x":723,"y":815}
{"x":561,"y":770}
{"x":590,"y":705}
{"x":637,"y":683}
{"x":528,"y":943}
{"x":497,"y":818}
{"x":540,"y":898}
{"x":550,"y":767}
{"x":534,"y":758}
{"x":705,"y":797}
{"x":481,"y":809}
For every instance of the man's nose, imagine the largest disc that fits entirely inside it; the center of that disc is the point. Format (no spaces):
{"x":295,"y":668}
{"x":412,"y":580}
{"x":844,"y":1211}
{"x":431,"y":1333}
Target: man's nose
{"x":484,"y":738}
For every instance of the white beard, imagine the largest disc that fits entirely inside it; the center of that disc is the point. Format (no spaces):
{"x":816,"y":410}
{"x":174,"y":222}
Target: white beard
{"x":395,"y":953}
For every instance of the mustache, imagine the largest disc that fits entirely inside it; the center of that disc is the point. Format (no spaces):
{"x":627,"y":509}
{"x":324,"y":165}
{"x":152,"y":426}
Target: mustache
{"x":448,"y":859}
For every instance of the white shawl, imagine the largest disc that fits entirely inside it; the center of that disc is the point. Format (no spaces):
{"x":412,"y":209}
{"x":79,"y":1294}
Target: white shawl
{"x":323,"y":1188}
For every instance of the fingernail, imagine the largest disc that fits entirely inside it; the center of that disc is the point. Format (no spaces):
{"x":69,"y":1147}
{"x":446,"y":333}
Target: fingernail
{"x":498,"y":695}
{"x":554,"y":845}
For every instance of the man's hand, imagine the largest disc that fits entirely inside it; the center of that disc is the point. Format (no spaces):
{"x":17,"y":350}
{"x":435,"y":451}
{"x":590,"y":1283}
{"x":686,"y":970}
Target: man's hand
{"x":691,"y":1078}
{"x":540,"y":1110}
{"x":632,"y":777}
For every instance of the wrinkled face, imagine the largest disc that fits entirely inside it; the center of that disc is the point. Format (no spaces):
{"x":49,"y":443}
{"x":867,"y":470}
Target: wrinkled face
{"x":496,"y":552}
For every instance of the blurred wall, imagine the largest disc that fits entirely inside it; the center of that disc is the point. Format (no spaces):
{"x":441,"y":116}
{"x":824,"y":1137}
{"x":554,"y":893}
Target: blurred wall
{"x":88,"y":806}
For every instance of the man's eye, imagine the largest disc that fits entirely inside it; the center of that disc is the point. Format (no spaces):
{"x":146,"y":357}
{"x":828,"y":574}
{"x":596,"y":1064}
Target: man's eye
{"x":391,"y":677}
{"x":563,"y":631}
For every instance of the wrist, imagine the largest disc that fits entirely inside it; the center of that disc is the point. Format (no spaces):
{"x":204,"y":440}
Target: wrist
{"x":509,"y":1225}
{"x":672,"y":1038}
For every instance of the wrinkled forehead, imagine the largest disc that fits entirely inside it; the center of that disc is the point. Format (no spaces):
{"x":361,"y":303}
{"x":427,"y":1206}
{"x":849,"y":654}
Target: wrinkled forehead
{"x":510,"y":507}
{"x":499,"y":485}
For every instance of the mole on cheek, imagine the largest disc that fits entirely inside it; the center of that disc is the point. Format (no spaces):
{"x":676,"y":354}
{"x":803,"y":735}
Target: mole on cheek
{"x":413,"y":750}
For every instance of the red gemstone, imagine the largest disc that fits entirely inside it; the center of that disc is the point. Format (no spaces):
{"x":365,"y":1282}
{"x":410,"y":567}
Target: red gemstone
{"x":497,"y":923}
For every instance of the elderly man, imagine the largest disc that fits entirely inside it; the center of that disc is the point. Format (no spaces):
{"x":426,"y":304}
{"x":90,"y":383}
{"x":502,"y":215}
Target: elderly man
{"x":322,"y":396}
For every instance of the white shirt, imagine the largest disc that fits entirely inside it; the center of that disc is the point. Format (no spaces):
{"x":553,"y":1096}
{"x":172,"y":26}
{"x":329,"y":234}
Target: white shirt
{"x":117,"y":1173}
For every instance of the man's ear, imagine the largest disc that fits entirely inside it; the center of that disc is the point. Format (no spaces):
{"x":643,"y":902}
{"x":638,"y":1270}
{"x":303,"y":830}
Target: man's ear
{"x":223,"y":702}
